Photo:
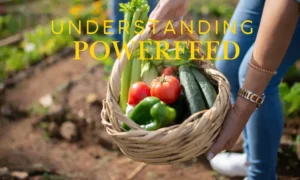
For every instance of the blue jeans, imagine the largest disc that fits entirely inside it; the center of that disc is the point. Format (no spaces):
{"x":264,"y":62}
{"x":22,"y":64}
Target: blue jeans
{"x":116,"y":15}
{"x":264,"y":129}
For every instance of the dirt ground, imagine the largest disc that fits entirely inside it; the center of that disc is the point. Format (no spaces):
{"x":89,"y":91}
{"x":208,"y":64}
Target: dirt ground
{"x":34,"y":146}
{"x":25,"y":147}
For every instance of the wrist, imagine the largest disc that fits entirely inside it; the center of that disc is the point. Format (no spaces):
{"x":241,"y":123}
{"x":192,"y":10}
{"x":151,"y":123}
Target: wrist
{"x":243,"y":107}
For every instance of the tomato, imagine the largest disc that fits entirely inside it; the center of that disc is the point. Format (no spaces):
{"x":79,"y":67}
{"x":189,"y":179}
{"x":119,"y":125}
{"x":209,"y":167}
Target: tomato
{"x":168,"y":71}
{"x":137,"y":92}
{"x":166,"y":88}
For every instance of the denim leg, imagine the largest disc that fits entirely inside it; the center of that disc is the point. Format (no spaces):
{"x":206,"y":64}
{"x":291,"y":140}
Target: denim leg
{"x":245,"y":10}
{"x":152,"y":4}
{"x":264,"y":128}
{"x":116,"y":15}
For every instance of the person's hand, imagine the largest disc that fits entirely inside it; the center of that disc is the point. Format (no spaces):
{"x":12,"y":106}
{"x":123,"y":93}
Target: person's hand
{"x":166,"y":10}
{"x":233,"y":125}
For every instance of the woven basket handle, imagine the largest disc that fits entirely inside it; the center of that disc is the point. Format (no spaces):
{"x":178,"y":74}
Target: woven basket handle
{"x":114,"y":86}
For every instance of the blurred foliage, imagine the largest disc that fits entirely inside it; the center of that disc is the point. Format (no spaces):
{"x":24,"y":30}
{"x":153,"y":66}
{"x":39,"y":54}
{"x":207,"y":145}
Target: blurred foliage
{"x":108,"y":64}
{"x":99,"y":37}
{"x":22,"y":15}
{"x":37,"y":44}
{"x":290,"y":97}
{"x":211,"y":11}
{"x":10,"y":24}
{"x":97,"y":12}
{"x":293,"y":71}
{"x":41,"y":41}
{"x":16,"y":1}
{"x":74,"y":2}
{"x":290,"y":91}
{"x":47,"y":176}
{"x":224,"y":11}
{"x":215,"y":8}
{"x":44,"y":42}
{"x":38,"y":110}
{"x":293,"y":74}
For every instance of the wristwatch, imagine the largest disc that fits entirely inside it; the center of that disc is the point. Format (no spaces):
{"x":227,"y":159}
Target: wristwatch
{"x":252,"y":97}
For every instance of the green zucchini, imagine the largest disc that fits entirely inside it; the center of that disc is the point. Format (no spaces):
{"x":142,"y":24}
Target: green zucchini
{"x":191,"y":89}
{"x":206,"y":87}
{"x":182,"y":109}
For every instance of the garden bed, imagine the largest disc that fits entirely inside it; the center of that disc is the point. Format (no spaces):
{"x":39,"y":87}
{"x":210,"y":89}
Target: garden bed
{"x":50,"y":116}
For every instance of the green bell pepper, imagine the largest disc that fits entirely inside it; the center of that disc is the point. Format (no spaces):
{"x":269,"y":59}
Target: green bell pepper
{"x":152,"y":114}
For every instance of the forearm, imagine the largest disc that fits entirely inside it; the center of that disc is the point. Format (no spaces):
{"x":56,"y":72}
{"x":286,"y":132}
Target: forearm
{"x":274,"y":36}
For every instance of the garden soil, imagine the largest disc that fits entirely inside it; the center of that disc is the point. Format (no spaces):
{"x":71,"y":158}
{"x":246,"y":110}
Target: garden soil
{"x":36,"y":146}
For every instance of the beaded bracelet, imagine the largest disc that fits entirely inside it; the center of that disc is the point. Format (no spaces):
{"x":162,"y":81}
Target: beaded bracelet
{"x":261,"y":69}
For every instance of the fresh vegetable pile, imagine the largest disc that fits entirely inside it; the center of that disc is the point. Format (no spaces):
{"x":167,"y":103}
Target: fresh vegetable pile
{"x":159,"y":93}
{"x":170,"y":98}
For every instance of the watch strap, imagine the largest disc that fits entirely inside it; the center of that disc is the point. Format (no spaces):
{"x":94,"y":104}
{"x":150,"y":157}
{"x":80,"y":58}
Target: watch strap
{"x":252,"y":97}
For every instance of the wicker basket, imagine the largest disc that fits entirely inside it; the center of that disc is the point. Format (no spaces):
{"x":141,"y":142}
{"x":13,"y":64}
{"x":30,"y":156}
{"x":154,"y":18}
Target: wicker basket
{"x":170,"y":144}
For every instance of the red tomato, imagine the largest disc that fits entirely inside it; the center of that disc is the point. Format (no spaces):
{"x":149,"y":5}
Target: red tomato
{"x":137,"y":92}
{"x":169,"y":71}
{"x":166,"y":88}
{"x":175,"y":68}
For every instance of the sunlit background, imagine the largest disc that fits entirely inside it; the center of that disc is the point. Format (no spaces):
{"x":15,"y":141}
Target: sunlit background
{"x":50,"y":125}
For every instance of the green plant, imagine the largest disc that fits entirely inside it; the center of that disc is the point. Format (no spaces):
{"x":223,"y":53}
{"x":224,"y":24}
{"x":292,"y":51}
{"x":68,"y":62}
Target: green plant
{"x":97,"y":12}
{"x":218,"y":8}
{"x":15,"y":62}
{"x":10,"y":24}
{"x":108,"y":64}
{"x":47,"y":176}
{"x":293,"y":74}
{"x":293,"y":71}
{"x":44,"y":42}
{"x":36,"y":44}
{"x":290,"y":99}
{"x":37,"y":109}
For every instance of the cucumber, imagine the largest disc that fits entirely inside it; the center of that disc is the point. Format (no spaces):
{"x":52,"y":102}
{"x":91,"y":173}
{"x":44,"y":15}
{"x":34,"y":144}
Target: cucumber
{"x":182,"y":109}
{"x":191,"y":89}
{"x":206,"y":87}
